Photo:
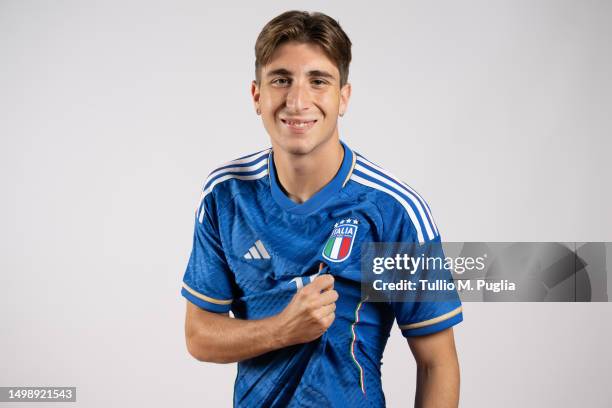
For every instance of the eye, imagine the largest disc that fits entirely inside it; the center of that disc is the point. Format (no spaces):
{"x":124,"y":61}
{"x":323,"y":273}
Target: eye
{"x":319,"y":82}
{"x":281,"y":82}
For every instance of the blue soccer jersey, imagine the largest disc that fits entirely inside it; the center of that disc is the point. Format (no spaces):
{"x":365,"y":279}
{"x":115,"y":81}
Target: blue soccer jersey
{"x":253,"y":248}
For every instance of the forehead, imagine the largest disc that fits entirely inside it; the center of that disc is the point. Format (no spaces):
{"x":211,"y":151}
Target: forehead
{"x":301,"y":57}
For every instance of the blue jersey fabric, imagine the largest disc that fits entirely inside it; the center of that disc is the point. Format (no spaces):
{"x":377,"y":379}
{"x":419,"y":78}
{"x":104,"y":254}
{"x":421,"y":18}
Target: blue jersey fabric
{"x":253,"y":248}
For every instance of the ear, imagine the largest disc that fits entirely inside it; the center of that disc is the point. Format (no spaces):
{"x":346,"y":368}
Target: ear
{"x":255,"y":95}
{"x":345,"y":95}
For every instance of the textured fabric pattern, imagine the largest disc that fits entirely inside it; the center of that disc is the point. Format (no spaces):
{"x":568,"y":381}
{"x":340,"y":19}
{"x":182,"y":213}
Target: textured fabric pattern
{"x":342,"y":368}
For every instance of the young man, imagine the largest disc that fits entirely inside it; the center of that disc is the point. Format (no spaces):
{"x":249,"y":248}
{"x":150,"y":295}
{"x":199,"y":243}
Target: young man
{"x":277,"y":241}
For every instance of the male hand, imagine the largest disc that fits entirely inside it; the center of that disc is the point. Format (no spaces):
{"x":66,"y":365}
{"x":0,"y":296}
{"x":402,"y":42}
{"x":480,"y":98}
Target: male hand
{"x":310,"y":312}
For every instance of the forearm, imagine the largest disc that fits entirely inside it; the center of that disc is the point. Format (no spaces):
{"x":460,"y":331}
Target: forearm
{"x":227,"y":340}
{"x":219,"y":338}
{"x":437,"y":386}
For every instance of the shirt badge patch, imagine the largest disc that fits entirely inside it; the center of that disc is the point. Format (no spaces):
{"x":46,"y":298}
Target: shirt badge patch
{"x":340,"y":243}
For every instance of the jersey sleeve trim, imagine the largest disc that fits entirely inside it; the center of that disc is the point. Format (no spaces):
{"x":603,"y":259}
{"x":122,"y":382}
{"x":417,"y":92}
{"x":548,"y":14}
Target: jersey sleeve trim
{"x":207,"y":298}
{"x":433,"y":325}
{"x":432,"y":321}
{"x":205,"y":302}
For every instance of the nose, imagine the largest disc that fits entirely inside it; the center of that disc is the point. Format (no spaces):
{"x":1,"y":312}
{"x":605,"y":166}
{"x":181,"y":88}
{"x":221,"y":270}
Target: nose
{"x":298,"y":97}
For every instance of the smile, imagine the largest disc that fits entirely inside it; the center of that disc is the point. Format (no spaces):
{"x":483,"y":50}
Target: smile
{"x":298,"y":125}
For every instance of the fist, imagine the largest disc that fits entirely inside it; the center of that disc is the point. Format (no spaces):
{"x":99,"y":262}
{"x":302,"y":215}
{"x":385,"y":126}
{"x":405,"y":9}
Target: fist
{"x":310,"y":312}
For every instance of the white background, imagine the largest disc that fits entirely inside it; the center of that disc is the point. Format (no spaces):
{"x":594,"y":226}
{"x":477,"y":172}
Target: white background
{"x":113,"y":112}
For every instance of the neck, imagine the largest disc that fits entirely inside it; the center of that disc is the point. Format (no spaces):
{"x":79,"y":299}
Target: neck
{"x":302,"y":176}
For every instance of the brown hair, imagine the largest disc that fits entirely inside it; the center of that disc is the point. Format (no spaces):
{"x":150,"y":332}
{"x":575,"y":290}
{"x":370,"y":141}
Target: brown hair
{"x":304,"y":27}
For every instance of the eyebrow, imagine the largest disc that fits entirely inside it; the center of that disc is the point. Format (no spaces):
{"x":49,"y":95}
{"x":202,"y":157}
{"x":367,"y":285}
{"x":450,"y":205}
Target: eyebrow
{"x":313,"y":73}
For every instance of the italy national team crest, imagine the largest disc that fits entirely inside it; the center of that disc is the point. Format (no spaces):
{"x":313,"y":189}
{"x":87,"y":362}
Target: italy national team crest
{"x":340,"y":242}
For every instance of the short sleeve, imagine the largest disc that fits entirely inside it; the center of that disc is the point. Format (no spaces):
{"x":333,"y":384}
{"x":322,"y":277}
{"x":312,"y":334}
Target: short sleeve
{"x":436,"y":312}
{"x":208,"y":280}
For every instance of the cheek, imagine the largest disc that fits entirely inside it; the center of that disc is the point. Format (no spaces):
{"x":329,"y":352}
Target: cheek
{"x":329,"y":103}
{"x":271,"y":100}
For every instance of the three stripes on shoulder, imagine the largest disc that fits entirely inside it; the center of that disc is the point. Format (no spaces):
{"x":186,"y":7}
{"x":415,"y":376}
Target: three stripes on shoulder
{"x":369,"y":174}
{"x":251,"y":167}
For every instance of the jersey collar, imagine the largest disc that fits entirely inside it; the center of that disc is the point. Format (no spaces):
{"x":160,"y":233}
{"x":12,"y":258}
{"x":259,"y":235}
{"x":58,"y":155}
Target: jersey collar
{"x":321,"y":197}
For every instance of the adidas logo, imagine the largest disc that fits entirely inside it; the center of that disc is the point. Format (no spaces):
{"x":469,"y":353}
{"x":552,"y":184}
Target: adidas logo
{"x":257,"y":251}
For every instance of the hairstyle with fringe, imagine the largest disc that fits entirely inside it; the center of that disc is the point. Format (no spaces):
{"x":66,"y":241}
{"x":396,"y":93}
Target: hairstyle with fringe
{"x":304,"y":27}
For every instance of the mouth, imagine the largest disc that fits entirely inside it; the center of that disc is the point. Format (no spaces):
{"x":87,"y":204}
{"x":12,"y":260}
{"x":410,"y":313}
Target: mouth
{"x":299,"y":125}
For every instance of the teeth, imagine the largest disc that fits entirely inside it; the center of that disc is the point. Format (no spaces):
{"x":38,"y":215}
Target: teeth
{"x":297,"y":124}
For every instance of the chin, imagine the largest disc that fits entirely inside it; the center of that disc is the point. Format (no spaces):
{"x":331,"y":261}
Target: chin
{"x":298,"y":148}
{"x":297,"y":145}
